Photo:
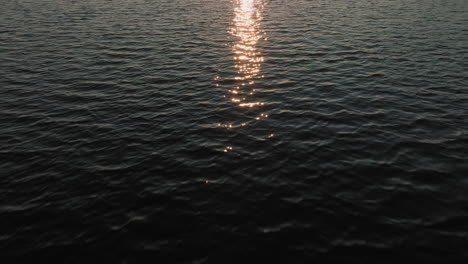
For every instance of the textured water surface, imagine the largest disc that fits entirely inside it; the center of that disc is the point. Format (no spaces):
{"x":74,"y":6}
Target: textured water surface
{"x":218,"y":131}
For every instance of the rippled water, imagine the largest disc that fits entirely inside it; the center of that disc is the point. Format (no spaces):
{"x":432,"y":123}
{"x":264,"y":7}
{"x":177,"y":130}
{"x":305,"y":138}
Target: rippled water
{"x":217,"y":131}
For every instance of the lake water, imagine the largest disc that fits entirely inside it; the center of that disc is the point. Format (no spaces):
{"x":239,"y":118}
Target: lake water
{"x":218,"y":131}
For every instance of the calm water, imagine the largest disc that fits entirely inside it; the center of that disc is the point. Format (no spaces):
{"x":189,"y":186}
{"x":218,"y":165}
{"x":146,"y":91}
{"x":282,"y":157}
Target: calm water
{"x":218,"y":131}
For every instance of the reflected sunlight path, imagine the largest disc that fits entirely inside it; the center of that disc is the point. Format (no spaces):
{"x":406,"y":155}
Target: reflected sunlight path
{"x":248,"y":59}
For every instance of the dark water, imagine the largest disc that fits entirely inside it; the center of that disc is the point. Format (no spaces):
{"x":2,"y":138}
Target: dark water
{"x":217,"y":131}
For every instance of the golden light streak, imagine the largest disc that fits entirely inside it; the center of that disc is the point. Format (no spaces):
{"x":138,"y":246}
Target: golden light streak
{"x":248,"y":60}
{"x":247,"y":32}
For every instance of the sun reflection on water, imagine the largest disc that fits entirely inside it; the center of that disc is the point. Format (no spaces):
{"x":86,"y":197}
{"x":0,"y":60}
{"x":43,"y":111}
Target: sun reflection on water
{"x":248,"y":59}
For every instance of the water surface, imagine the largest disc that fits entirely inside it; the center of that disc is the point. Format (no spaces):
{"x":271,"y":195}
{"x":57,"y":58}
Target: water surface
{"x":217,"y":131}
